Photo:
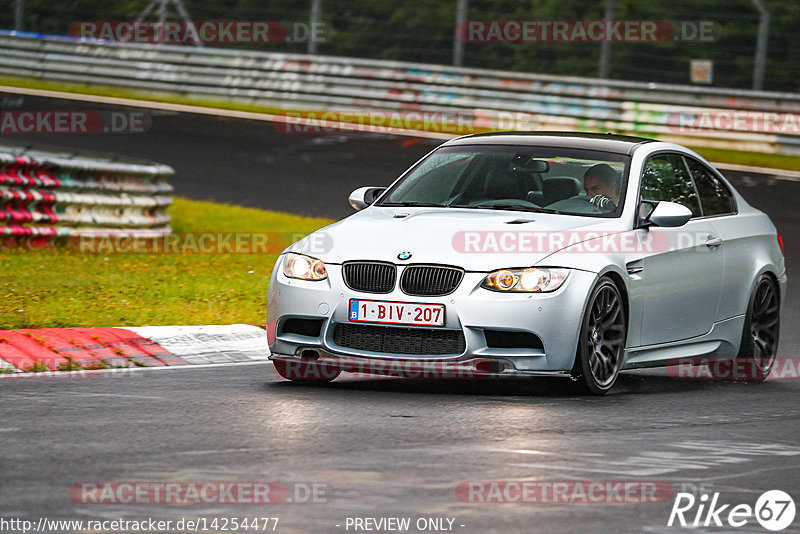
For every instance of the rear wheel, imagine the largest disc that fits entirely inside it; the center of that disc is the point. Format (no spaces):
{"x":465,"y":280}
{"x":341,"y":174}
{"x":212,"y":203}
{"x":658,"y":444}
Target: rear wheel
{"x":759,"y":344}
{"x":601,"y":343}
{"x":300,"y":371}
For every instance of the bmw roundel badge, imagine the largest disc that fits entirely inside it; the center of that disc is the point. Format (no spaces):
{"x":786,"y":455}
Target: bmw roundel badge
{"x":403,"y":255}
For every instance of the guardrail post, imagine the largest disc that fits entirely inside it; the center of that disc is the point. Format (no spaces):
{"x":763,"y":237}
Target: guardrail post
{"x":19,"y":15}
{"x":458,"y":43}
{"x":761,"y":45}
{"x":605,"y":45}
{"x":316,"y":8}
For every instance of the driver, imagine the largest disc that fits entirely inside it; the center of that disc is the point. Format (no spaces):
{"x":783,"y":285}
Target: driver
{"x":601,"y":183}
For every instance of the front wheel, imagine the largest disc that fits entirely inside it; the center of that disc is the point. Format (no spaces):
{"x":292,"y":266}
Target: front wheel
{"x":601,"y":343}
{"x":759,"y":344}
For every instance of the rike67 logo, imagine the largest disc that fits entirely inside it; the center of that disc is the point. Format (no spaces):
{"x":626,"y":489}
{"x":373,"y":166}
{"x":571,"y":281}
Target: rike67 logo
{"x":774,"y":510}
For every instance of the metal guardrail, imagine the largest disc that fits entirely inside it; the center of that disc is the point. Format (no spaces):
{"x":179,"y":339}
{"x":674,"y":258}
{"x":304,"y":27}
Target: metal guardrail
{"x":494,"y":99}
{"x":50,"y":194}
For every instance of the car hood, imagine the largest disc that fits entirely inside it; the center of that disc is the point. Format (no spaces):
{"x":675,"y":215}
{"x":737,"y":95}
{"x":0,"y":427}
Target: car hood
{"x":477,"y":240}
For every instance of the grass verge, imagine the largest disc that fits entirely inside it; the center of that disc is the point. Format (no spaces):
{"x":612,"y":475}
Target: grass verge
{"x":64,"y":287}
{"x":738,"y":157}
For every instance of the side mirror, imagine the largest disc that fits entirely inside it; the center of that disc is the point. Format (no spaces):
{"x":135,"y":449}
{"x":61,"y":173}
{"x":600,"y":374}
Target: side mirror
{"x":669,"y":215}
{"x":364,"y":196}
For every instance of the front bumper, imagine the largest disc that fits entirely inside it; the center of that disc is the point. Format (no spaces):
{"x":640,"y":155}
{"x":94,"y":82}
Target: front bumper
{"x":471,"y":310}
{"x":460,"y":368}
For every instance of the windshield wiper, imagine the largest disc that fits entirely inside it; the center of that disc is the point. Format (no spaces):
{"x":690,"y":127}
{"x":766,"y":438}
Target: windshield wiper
{"x":411,"y":204}
{"x":505,"y":207}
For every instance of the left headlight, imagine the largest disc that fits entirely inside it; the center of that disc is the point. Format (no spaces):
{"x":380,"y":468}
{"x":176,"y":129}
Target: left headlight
{"x":533,"y":280}
{"x":304,"y":267}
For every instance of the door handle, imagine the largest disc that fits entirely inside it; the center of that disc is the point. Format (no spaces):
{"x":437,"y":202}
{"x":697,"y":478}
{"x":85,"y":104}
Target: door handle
{"x":713,"y":241}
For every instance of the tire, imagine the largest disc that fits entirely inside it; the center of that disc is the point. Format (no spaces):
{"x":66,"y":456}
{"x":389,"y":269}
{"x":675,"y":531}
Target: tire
{"x":761,"y":331}
{"x":601,"y":342}
{"x":310,"y":372}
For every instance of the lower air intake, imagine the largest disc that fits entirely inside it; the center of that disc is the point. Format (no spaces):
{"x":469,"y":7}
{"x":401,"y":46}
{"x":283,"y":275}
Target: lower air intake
{"x":391,"y":340}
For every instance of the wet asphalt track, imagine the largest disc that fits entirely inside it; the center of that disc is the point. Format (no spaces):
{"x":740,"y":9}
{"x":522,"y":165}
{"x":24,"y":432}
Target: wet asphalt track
{"x":383,"y":447}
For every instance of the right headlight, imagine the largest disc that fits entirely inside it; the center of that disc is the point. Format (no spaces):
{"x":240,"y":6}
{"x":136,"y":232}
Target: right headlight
{"x":304,"y":267}
{"x":533,"y":280}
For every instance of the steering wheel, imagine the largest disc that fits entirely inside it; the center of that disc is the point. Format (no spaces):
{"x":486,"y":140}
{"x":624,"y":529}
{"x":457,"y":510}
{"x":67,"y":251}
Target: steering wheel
{"x":578,"y":203}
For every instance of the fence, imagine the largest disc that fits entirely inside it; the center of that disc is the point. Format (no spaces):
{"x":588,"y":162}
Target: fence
{"x":48,"y":194}
{"x":697,"y":116}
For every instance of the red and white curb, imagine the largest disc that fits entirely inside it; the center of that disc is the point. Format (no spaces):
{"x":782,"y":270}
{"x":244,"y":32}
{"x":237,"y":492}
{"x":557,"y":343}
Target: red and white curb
{"x":210,"y":343}
{"x":54,"y":349}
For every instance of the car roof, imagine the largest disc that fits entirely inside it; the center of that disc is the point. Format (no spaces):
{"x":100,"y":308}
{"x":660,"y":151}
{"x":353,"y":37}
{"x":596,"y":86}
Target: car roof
{"x":621,"y":144}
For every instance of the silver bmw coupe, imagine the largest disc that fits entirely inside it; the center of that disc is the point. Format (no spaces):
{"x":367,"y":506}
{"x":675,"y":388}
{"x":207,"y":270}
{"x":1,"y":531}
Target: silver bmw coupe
{"x":534,"y":254}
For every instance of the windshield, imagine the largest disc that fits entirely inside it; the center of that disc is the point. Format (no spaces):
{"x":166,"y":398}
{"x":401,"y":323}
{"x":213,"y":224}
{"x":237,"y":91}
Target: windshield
{"x":517,"y":178}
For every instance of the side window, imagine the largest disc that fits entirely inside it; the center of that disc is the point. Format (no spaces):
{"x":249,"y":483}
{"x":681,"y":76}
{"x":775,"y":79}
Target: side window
{"x":665,"y":177}
{"x":715,"y":196}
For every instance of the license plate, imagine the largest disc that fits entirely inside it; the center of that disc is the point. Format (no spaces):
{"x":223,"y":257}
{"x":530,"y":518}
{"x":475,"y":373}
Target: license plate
{"x":378,"y":311}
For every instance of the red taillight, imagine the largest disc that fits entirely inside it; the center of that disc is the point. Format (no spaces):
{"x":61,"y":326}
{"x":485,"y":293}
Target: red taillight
{"x":780,"y":242}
